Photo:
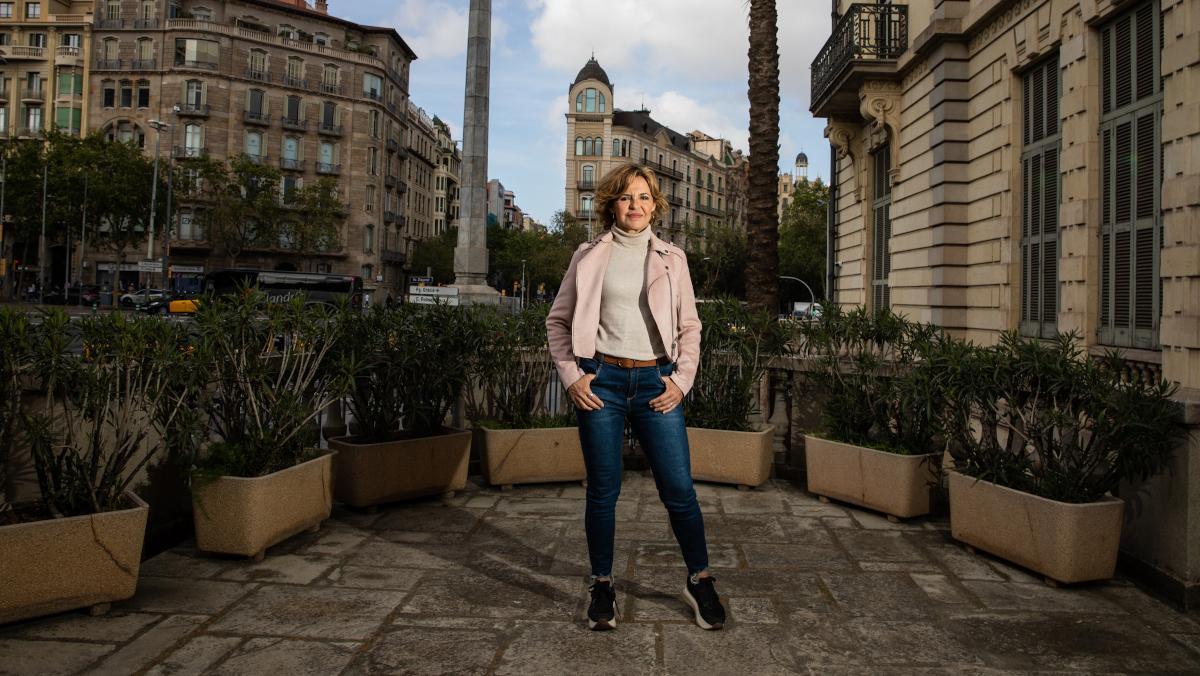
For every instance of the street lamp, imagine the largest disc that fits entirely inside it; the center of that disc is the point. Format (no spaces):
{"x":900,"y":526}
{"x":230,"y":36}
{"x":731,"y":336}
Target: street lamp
{"x":812,"y":297}
{"x":524,"y":297}
{"x":158,"y":126}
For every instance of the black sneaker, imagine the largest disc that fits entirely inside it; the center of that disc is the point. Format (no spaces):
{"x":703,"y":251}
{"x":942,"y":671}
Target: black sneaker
{"x":701,"y":595}
{"x":602,"y":612}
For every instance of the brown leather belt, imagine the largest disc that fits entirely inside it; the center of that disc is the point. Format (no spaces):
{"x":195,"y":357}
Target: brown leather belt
{"x":626,"y":363}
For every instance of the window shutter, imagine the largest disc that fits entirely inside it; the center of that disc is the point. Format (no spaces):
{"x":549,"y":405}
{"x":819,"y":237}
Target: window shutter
{"x":1040,"y":201}
{"x":203,"y":93}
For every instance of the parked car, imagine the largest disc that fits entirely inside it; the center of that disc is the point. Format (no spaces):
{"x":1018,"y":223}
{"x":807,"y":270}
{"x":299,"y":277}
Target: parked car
{"x":141,"y":297}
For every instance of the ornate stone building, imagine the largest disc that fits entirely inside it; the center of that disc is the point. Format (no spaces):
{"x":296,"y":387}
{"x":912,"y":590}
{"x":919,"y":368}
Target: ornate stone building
{"x":446,"y":180}
{"x":696,"y":171}
{"x":1029,"y":165}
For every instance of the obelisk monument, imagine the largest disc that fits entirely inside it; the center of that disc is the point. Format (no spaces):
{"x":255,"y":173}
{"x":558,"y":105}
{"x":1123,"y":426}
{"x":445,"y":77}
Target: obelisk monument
{"x":471,"y":254}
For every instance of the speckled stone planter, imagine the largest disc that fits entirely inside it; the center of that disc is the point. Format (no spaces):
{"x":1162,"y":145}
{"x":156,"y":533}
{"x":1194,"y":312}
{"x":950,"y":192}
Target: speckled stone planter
{"x":722,"y":456}
{"x":373,"y":474}
{"x":61,"y":564}
{"x":528,"y":456}
{"x":244,"y":516}
{"x":898,"y":485}
{"x":1065,"y":542}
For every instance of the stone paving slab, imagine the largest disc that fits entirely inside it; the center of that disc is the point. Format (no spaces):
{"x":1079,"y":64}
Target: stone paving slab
{"x":494,"y":582}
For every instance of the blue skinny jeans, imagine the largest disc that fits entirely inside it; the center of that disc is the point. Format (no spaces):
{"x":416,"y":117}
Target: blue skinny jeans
{"x":626,"y":394}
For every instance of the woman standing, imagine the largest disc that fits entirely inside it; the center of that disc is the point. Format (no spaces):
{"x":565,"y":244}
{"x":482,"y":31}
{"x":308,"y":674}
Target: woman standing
{"x":625,"y":337}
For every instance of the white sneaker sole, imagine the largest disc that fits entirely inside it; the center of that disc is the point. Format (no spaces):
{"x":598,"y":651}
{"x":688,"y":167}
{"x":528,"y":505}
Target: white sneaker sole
{"x":691,"y":601}
{"x":602,"y":625}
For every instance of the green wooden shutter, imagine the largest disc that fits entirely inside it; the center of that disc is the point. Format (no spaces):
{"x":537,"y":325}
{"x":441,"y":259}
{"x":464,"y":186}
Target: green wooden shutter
{"x":1131,"y":175}
{"x":881,"y":230}
{"x":1040,"y":200}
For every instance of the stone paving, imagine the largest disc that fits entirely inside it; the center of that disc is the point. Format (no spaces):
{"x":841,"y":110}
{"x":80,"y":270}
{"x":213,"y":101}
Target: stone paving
{"x":494,"y":582}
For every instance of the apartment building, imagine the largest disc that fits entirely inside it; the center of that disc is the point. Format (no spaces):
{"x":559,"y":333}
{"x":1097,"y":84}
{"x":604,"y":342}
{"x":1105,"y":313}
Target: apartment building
{"x":787,"y":184}
{"x":282,"y":82}
{"x":697,"y":172}
{"x":43,"y":69}
{"x":446,"y":179}
{"x":1030,"y":165}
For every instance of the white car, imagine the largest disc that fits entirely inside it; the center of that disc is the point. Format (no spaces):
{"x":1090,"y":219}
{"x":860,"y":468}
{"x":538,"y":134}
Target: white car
{"x":141,"y":297}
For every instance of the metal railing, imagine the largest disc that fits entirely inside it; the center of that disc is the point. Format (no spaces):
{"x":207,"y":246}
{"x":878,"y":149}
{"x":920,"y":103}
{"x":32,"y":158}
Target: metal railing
{"x":204,"y":65}
{"x":145,"y":64}
{"x":587,"y":184}
{"x":256,"y":117}
{"x":328,"y":168}
{"x":189,"y":151}
{"x":108,"y":64}
{"x":193,"y":109}
{"x":294,"y":123}
{"x":329,"y":128}
{"x":662,"y":168}
{"x":144,"y":24}
{"x":864,"y":33}
{"x":291,"y":163}
{"x":295,"y":82}
{"x":256,"y":74}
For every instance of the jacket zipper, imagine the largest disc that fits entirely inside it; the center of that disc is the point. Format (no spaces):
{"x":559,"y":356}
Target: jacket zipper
{"x":674,"y":337}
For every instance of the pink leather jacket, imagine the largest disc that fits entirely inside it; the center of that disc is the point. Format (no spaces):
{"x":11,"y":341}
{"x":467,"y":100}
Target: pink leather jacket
{"x":575,"y":316}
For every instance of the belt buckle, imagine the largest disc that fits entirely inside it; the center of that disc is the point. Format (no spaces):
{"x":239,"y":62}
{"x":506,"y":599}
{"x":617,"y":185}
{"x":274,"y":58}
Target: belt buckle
{"x":625,"y":362}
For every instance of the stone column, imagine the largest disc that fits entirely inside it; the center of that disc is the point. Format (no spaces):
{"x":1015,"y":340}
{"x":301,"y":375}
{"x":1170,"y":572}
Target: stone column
{"x":471,"y":254}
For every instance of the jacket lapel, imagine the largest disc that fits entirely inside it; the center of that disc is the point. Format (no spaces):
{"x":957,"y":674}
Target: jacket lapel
{"x":659,"y":292}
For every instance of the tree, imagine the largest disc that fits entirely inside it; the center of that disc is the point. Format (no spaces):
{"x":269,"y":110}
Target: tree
{"x":802,"y":240}
{"x":721,"y":268}
{"x":315,"y":214}
{"x":119,"y":187}
{"x":436,"y":254}
{"x":762,"y":226}
{"x":242,"y":208}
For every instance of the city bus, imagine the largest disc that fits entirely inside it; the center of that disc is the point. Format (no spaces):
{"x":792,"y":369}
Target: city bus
{"x":279,"y":287}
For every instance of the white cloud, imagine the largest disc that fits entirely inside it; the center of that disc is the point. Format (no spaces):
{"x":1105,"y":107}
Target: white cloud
{"x":435,"y":29}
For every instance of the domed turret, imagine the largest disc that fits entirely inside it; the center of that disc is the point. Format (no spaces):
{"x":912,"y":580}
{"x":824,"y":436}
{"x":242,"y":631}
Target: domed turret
{"x":802,"y":167}
{"x":592,"y":71}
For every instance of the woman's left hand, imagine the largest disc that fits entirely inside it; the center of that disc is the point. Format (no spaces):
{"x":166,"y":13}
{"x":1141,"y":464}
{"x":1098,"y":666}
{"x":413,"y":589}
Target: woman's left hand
{"x":668,"y":400}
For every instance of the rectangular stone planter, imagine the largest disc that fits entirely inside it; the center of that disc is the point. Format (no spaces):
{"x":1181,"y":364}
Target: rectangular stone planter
{"x":526,"y":456}
{"x":61,"y":564}
{"x":372,"y":474}
{"x":245,"y":515}
{"x":1065,"y":542}
{"x":899,"y":485}
{"x":724,"y":456}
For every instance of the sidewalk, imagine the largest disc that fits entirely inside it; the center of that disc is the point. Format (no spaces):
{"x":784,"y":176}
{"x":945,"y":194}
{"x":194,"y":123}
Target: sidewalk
{"x":493,"y":582}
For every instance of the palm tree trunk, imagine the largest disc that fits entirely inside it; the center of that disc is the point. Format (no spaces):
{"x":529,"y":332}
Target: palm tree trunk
{"x":762,"y":221}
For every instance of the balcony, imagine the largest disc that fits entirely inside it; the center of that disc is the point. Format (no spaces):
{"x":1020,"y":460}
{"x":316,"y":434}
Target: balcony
{"x":392,"y":256}
{"x":373,"y":95}
{"x":401,"y":187}
{"x":145,"y":64}
{"x":29,"y":132}
{"x":390,"y":180}
{"x":587,"y":184}
{"x":392,"y":217}
{"x":294,"y":123}
{"x":199,"y":65}
{"x":675,"y":200}
{"x":22,"y":52}
{"x":332,"y":88}
{"x":662,"y":169}
{"x":192,"y":109}
{"x":710,"y":210}
{"x":256,"y":117}
{"x":145,"y":24}
{"x":291,"y":164}
{"x":186,"y":152}
{"x":109,"y":64}
{"x":329,"y":129}
{"x":585,"y":214}
{"x":33,"y":94}
{"x":328,"y":168}
{"x":866,"y":43}
{"x":259,"y":159}
{"x":295,"y":82}
{"x":110,"y":24}
{"x":258,"y":75}
{"x":67,"y":55}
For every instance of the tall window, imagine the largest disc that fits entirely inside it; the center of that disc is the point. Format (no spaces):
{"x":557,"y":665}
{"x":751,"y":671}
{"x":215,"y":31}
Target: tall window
{"x":589,"y":146}
{"x":112,"y":9}
{"x":6,"y":10}
{"x":33,"y":10}
{"x":373,"y":86}
{"x":295,"y":71}
{"x":258,"y":64}
{"x":33,"y":117}
{"x":197,"y":53}
{"x":1131,"y":173}
{"x":585,"y":204}
{"x":193,"y":139}
{"x":143,"y":94}
{"x":325,"y":153}
{"x":590,"y":100}
{"x":109,"y":93}
{"x":881,"y":232}
{"x":373,"y":161}
{"x":329,"y":77}
{"x":369,"y":239}
{"x":254,"y":144}
{"x":376,"y":120}
{"x":589,"y":173}
{"x":293,"y":108}
{"x":291,"y":149}
{"x":126,"y":94}
{"x":145,"y":49}
{"x":1040,"y":200}
{"x":369,"y":199}
{"x":328,"y":114}
{"x":194,"y":94}
{"x":111,"y":49}
{"x":578,"y":146}
{"x":147,"y":9}
{"x":37,"y":40}
{"x":256,"y":102}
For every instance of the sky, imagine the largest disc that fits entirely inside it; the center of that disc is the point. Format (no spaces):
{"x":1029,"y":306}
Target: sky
{"x":684,"y":60}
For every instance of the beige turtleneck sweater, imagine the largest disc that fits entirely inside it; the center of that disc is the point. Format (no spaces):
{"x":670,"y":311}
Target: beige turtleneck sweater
{"x":627,"y":328}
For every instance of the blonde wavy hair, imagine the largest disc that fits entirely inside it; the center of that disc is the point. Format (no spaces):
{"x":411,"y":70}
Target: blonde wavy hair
{"x":613,"y":185}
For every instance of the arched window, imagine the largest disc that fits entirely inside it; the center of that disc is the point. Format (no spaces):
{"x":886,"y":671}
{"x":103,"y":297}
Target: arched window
{"x":578,"y":146}
{"x":601,"y":102}
{"x":616,"y":147}
{"x":253,"y":144}
{"x":585,"y":203}
{"x":589,"y":146}
{"x":599,"y":146}
{"x":589,"y":100}
{"x":589,"y":173}
{"x":579,"y":103}
{"x":257,"y":66}
{"x":291,"y":148}
{"x":145,"y":51}
{"x":660,"y":159}
{"x":112,"y":49}
{"x":645,"y":154}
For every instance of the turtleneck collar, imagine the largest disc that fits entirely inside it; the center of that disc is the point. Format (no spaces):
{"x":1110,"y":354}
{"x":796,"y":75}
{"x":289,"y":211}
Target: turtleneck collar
{"x":631,"y":239}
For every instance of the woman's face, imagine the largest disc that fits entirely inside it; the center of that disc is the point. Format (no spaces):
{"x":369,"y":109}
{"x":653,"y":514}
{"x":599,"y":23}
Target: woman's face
{"x":635,"y":206}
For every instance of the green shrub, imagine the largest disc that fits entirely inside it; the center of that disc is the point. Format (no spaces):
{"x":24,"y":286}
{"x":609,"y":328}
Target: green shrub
{"x":1049,"y":419}
{"x":270,"y":376}
{"x":876,"y":380}
{"x":109,"y":400}
{"x":511,"y":372}
{"x":14,"y":365}
{"x":735,"y":344}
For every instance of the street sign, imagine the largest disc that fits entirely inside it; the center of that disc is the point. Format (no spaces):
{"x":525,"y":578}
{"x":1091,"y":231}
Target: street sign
{"x":149,"y":266}
{"x":415,"y":280}
{"x":187,"y":269}
{"x":433,"y":291}
{"x":433,"y":300}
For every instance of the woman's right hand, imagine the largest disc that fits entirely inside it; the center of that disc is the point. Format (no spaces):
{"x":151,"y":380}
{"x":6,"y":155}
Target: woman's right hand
{"x":582,"y":396}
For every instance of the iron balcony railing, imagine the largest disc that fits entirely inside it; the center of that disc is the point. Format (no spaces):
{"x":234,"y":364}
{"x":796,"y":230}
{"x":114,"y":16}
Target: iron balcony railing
{"x":864,"y":33}
{"x":192,"y":109}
